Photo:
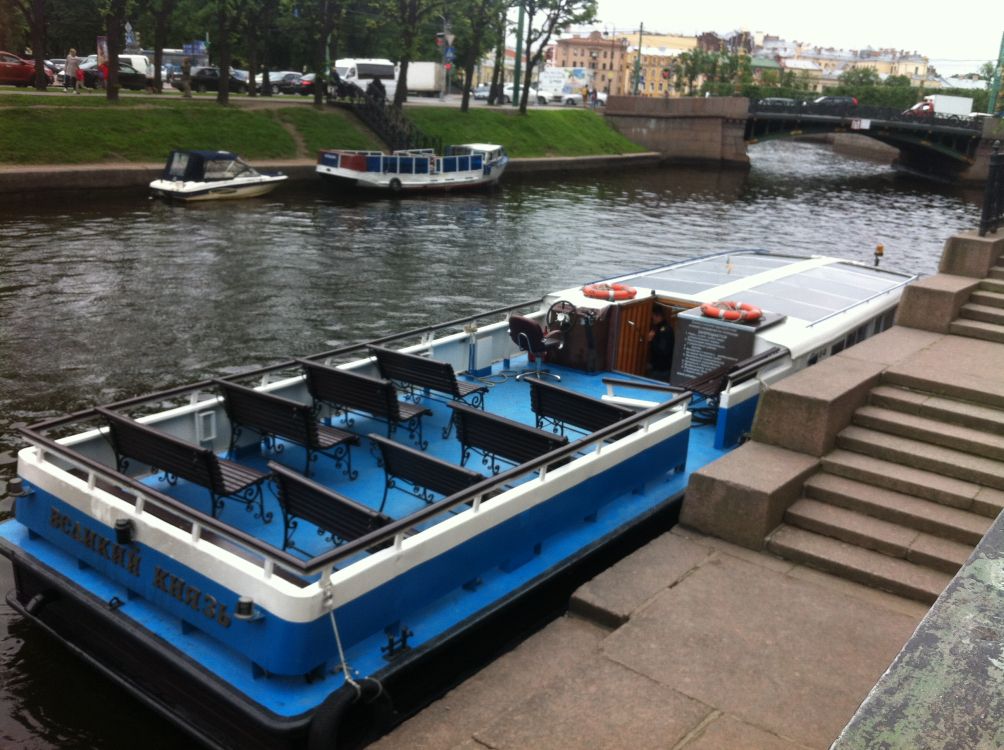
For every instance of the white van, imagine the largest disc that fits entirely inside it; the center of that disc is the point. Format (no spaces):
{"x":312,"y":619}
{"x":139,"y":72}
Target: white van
{"x":141,"y":63}
{"x":362,"y":72}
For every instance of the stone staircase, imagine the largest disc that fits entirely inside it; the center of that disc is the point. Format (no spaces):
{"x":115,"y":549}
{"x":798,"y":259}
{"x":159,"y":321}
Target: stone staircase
{"x":915,"y":480}
{"x":983,"y":316}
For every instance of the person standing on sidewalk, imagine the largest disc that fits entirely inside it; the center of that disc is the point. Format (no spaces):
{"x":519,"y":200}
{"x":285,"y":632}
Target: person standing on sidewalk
{"x":186,"y":78}
{"x":70,"y":72}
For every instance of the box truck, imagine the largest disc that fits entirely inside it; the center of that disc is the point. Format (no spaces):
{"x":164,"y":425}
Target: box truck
{"x":942,"y":106}
{"x":425,"y":78}
{"x":565,"y":85}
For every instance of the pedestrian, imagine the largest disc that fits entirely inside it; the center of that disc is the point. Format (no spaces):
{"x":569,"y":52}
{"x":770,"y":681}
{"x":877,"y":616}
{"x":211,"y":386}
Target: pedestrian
{"x":660,"y":345}
{"x":186,"y":78}
{"x":70,"y":72}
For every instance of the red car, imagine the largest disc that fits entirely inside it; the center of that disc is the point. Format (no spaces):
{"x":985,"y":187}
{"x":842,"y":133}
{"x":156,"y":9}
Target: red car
{"x":18,"y":71}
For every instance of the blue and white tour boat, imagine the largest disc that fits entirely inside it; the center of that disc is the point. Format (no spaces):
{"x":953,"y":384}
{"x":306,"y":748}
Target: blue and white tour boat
{"x":298,"y":556}
{"x":462,"y":167}
{"x":210,"y":176}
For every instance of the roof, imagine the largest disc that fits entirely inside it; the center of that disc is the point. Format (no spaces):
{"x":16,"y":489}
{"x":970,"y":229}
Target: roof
{"x":765,"y":62}
{"x":799,"y":64}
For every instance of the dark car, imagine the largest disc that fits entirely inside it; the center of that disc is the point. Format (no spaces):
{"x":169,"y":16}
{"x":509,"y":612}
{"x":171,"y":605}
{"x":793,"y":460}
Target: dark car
{"x":208,"y":79}
{"x":835,"y":101}
{"x":305,"y":86}
{"x":290,"y":84}
{"x":129,"y":77}
{"x":18,"y":71}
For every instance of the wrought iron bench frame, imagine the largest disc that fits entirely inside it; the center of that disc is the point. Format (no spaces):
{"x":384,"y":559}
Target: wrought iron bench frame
{"x":179,"y":458}
{"x":274,"y":417}
{"x":423,"y":473}
{"x":562,"y":409}
{"x":495,"y":437}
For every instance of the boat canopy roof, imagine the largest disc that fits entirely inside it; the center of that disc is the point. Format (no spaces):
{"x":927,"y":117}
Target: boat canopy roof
{"x":807,"y":289}
{"x":194,"y":166}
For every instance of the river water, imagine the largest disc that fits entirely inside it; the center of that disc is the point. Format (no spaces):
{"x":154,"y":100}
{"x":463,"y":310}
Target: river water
{"x":102,"y":298}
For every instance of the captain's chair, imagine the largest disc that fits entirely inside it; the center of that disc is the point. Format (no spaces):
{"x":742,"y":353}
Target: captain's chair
{"x":531,"y":337}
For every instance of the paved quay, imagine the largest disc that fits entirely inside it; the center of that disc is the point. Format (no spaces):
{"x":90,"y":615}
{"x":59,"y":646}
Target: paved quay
{"x":758,"y":624}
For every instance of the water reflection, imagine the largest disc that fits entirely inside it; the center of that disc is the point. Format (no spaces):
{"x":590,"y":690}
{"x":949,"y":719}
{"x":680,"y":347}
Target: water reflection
{"x":111,"y":296}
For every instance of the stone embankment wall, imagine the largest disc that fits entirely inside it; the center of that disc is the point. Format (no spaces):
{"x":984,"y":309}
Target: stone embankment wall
{"x":690,"y":129}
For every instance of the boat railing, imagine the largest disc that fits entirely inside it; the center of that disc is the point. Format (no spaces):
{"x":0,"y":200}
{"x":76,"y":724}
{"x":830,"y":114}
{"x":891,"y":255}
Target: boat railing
{"x":274,"y":561}
{"x":750,"y":367}
{"x":858,"y":303}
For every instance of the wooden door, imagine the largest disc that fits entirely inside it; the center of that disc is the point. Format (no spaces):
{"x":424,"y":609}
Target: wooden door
{"x":633,"y":321}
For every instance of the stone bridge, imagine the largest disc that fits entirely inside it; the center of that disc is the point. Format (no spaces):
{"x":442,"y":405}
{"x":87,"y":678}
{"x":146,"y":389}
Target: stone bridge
{"x":718,"y":129}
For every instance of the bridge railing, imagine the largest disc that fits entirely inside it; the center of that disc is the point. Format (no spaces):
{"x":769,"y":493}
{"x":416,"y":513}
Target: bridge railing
{"x":993,"y":195}
{"x":863,"y":112}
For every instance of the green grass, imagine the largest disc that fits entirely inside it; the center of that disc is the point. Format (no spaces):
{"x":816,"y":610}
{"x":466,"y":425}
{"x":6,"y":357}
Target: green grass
{"x":93,"y":98}
{"x":333,"y":128}
{"x":558,"y":132}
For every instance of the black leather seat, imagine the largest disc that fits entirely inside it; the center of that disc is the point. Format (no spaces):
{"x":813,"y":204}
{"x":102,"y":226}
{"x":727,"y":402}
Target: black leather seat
{"x":531,"y":337}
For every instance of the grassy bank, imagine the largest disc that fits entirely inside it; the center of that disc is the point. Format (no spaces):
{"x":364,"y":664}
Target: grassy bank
{"x":541,"y":132}
{"x":64,"y":129}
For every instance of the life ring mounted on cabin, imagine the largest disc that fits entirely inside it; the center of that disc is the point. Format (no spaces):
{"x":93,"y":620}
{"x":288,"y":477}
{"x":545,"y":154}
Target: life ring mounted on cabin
{"x":732,"y":311}
{"x":609,"y":292}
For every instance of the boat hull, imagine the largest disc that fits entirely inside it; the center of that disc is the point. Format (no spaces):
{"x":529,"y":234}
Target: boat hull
{"x":199,"y":703}
{"x":188,"y":193}
{"x":345,"y":179}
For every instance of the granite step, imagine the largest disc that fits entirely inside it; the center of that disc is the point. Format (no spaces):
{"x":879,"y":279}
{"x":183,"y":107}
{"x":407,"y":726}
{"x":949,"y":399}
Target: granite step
{"x":920,"y":455}
{"x":984,"y":313}
{"x":992,"y":284}
{"x":881,"y":536}
{"x":943,"y":408}
{"x":997,"y":272}
{"x":934,"y":382}
{"x":931,"y":431}
{"x":946,"y":522}
{"x":990,"y":299}
{"x":857,"y":564}
{"x":977,"y":329}
{"x":919,"y":483}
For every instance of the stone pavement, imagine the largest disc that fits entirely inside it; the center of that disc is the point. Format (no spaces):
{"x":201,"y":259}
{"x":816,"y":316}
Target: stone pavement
{"x":691,"y":642}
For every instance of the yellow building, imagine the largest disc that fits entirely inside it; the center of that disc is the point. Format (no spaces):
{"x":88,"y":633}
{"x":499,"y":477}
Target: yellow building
{"x":598,"y":52}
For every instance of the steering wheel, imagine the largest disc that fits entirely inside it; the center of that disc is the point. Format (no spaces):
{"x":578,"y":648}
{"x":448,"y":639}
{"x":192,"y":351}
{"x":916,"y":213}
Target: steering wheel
{"x":560,"y":315}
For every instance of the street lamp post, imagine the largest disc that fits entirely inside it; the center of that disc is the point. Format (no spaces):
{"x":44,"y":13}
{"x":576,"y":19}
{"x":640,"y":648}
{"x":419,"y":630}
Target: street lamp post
{"x":519,"y":54}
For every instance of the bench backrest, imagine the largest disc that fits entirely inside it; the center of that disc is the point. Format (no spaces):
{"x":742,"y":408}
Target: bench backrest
{"x":563,"y":405}
{"x":351,"y":390}
{"x":270,"y":414}
{"x":326,"y":509}
{"x":502,"y":437}
{"x":420,"y":371}
{"x":422,"y":469}
{"x":163,"y":451}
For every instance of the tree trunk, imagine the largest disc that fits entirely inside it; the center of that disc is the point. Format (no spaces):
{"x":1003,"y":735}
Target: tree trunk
{"x":114,"y":22}
{"x":159,"y":41}
{"x":223,"y":58}
{"x":465,"y":102}
{"x":38,"y":43}
{"x":252,"y":65}
{"x":401,"y":93}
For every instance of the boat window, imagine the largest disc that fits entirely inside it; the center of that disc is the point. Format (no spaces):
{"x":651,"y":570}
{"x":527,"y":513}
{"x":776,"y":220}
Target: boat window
{"x":837,"y":348}
{"x":225,"y":169}
{"x":179,"y":163}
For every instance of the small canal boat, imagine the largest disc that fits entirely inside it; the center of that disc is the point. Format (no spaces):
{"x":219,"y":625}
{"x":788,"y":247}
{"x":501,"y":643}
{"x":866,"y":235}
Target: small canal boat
{"x":463,"y":167}
{"x":211,"y":176}
{"x":300,"y":555}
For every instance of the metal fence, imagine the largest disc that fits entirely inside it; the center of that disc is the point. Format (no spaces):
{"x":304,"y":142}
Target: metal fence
{"x":391,"y":125}
{"x":863,"y":112}
{"x":993,"y":195}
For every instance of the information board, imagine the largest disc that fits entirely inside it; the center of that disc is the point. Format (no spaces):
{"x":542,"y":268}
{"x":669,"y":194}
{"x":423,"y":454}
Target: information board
{"x":703,"y":345}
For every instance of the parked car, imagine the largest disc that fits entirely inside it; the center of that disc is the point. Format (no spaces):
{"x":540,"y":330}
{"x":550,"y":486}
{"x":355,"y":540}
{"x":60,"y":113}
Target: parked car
{"x":275,"y":80}
{"x":835,"y":101}
{"x":305,"y":84}
{"x":17,"y":71}
{"x":777,"y":101}
{"x":532,"y":95}
{"x":482,"y":91}
{"x":129,"y":77}
{"x":207,"y":78}
{"x":290,"y":84}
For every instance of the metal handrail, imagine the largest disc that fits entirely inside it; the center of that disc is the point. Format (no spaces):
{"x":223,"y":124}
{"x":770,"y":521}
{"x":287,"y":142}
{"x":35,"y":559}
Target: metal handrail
{"x":992,"y":214}
{"x":865,"y":112}
{"x":754,"y":364}
{"x":393,"y":531}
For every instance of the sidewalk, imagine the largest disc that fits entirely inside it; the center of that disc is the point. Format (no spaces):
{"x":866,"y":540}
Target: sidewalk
{"x":690,"y":642}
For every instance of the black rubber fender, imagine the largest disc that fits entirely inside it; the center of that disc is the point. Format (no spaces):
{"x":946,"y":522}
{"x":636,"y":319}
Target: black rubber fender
{"x":395,"y":185}
{"x":326,"y":723}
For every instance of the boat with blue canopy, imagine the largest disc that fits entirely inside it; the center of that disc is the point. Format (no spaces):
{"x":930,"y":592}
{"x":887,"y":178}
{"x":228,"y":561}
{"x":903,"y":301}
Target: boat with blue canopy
{"x":211,"y":175}
{"x":300,"y":555}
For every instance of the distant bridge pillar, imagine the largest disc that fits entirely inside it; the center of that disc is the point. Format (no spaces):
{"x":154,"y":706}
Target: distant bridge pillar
{"x":689,"y":129}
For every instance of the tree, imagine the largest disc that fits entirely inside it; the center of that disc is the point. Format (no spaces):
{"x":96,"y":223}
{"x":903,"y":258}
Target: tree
{"x":114,"y":12}
{"x":226,"y":18}
{"x":161,"y":10}
{"x":481,"y":22}
{"x":987,"y":70}
{"x":410,"y":16}
{"x":34,"y":12}
{"x":551,"y":16}
{"x":860,"y":77}
{"x":897,"y":81}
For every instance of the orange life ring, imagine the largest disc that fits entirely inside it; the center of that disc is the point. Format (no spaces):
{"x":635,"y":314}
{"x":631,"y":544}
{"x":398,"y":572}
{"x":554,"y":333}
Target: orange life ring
{"x":732,"y":311}
{"x":609,"y":292}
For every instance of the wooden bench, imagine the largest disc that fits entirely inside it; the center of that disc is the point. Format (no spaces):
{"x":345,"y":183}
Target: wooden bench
{"x":178,"y":458}
{"x":346,"y":392}
{"x":432,"y":375}
{"x":561,"y":407}
{"x":425,"y":473}
{"x":300,"y":498}
{"x":497,"y":437}
{"x":277,"y":417}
